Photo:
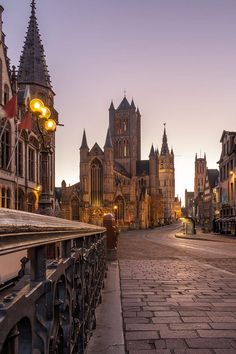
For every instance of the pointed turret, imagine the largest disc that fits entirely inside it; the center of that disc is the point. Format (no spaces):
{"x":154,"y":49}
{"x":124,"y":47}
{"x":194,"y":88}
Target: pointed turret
{"x":152,"y":152}
{"x":111,"y":108}
{"x":164,"y":148}
{"x":132,"y":104}
{"x":172,"y":151}
{"x":84,"y":144}
{"x":157,"y":152}
{"x":33,"y":68}
{"x":108,"y":142}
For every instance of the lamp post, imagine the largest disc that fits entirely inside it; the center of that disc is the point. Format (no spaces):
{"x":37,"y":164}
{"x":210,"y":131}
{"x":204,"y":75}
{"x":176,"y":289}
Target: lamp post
{"x":46,"y":126}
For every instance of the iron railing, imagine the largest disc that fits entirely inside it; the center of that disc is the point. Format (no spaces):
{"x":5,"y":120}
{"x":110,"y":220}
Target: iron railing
{"x":49,"y":307}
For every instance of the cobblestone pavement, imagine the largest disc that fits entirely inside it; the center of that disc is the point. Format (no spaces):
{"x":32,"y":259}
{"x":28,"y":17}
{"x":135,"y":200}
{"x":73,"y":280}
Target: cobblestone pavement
{"x":173,"y":302}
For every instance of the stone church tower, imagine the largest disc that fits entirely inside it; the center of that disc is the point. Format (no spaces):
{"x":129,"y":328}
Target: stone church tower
{"x":125,"y":129}
{"x":167,"y":179}
{"x":200,"y":174}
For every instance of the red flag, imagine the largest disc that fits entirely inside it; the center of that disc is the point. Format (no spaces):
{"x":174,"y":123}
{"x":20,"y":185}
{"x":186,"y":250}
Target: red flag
{"x":26,"y":122}
{"x":10,"y":108}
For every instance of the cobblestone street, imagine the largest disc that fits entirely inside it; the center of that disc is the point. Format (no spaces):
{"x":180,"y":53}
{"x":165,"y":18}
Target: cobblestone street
{"x":175,"y":300}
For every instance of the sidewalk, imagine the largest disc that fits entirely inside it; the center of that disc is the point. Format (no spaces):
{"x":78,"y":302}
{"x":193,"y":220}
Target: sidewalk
{"x":205,"y":236}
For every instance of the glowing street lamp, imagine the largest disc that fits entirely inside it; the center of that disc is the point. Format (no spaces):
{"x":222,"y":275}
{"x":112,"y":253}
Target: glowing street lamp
{"x":46,"y":126}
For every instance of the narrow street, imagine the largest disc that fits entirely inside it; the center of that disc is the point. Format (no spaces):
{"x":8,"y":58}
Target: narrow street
{"x":178,"y":295}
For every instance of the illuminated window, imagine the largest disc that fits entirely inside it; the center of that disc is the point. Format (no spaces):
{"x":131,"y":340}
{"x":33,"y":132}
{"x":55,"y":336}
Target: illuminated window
{"x":96,"y":183}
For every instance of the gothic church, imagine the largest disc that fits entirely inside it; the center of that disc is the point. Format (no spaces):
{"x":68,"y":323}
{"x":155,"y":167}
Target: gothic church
{"x":140,"y":193}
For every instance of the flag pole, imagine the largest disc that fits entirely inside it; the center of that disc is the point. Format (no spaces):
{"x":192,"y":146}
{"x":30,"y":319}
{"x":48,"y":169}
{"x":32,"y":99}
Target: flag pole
{"x":14,"y":148}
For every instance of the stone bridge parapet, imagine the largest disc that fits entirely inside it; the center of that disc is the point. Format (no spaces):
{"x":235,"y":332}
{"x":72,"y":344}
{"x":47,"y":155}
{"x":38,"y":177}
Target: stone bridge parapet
{"x":49,"y":305}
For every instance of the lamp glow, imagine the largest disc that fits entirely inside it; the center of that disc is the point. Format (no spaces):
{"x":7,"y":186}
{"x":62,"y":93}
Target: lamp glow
{"x":45,"y":112}
{"x":50,"y":125}
{"x":36,"y":105}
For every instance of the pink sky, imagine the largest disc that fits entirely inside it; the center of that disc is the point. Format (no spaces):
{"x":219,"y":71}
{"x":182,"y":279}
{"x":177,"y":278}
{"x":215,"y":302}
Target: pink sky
{"x":176,"y":58}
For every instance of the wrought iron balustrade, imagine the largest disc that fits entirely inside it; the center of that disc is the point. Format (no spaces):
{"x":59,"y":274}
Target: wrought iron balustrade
{"x":50,"y":306}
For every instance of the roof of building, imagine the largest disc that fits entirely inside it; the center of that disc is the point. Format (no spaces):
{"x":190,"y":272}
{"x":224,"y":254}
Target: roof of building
{"x":33,"y":68}
{"x":84,"y":144}
{"x":121,"y":169}
{"x":226,"y":132}
{"x":124,"y":104}
{"x":108,"y":142}
{"x":213,"y":176}
{"x":142,"y":167}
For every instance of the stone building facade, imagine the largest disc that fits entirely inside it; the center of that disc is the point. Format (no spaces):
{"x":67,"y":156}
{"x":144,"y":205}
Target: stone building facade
{"x":227,"y":183}
{"x":115,"y":179}
{"x":20,"y":163}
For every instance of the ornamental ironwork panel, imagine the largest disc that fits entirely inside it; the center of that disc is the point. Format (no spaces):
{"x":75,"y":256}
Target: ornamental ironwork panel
{"x":50,"y":306}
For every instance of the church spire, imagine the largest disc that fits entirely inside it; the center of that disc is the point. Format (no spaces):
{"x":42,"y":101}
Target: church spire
{"x":108,"y":142}
{"x":33,"y":68}
{"x":84,"y":144}
{"x":164,"y":148}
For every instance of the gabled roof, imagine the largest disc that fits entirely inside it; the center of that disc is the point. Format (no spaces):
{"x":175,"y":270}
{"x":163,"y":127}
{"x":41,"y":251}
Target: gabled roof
{"x":225,"y":132}
{"x":142,"y":167}
{"x":96,"y":150}
{"x":33,"y":68}
{"x":213,"y":176}
{"x":121,"y":169}
{"x":124,"y":104}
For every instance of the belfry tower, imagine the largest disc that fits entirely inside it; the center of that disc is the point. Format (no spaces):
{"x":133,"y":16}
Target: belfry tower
{"x":167,"y":178}
{"x":200,"y":174}
{"x":125,"y":130}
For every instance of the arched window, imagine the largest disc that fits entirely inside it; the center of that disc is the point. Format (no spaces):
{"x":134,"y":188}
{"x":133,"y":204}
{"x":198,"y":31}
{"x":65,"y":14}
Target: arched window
{"x":75,"y":209}
{"x":96,"y":183}
{"x":3,"y":197}
{"x":31,"y":202}
{"x":5,"y":146}
{"x":20,"y":200}
{"x":6,"y":93}
{"x":119,"y":209}
{"x":8,"y":198}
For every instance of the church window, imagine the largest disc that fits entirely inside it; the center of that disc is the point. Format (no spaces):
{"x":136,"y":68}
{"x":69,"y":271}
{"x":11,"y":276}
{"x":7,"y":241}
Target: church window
{"x":96,"y":183}
{"x":19,"y":159}
{"x":31,"y":201}
{"x":6,"y":94}
{"x":5,"y":147}
{"x":20,"y":200}
{"x":120,"y":210}
{"x":75,"y":209}
{"x":31,"y":164}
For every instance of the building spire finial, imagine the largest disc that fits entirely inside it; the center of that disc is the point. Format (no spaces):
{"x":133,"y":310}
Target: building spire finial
{"x":33,"y":7}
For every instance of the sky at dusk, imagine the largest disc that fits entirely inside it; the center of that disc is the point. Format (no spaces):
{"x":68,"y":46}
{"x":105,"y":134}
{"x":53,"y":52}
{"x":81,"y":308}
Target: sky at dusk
{"x":175,"y":58}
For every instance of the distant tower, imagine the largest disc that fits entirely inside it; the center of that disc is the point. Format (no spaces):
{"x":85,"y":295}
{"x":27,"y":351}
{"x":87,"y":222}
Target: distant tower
{"x":200,"y":174}
{"x":125,"y":130}
{"x":167,"y":178}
